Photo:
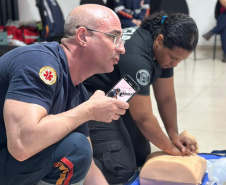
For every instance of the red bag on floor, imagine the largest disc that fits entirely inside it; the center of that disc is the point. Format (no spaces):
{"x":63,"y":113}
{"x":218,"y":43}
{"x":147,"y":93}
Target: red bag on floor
{"x":30,"y":34}
{"x":13,"y":33}
{"x":26,"y":34}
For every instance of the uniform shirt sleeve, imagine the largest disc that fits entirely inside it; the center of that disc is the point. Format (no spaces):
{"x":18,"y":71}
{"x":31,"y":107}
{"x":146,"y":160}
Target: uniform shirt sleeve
{"x":28,"y":84}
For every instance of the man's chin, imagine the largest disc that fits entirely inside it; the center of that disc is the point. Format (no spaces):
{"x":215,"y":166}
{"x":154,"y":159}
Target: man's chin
{"x":109,"y":70}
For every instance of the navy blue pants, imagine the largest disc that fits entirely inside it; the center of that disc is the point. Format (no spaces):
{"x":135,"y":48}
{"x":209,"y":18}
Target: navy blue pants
{"x":220,"y":28}
{"x":65,"y":162}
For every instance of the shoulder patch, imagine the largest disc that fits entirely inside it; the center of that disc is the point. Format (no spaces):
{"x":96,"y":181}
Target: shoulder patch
{"x":48,"y":75}
{"x":143,"y":77}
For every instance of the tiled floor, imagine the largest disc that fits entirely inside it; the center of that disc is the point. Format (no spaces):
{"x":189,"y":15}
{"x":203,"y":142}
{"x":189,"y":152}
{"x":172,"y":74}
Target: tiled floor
{"x":201,"y":99}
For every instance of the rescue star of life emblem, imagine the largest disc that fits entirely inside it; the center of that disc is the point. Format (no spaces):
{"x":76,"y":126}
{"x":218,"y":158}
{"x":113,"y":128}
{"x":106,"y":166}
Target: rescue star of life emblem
{"x":48,"y":75}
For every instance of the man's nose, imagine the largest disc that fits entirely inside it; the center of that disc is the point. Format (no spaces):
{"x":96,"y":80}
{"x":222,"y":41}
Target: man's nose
{"x":120,"y":49}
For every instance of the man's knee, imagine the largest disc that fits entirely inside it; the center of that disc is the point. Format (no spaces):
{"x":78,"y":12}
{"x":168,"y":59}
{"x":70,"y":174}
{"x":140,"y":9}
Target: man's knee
{"x":81,"y":156}
{"x":73,"y":158}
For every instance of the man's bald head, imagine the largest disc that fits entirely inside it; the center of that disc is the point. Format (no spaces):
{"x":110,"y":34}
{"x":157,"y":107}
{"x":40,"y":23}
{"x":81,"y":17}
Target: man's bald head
{"x":88,"y":15}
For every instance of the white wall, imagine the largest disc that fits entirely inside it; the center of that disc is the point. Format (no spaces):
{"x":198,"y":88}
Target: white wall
{"x":29,"y":11}
{"x":202,"y":11}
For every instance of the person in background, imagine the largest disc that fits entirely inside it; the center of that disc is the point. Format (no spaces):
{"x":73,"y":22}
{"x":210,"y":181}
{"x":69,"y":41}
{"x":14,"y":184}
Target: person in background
{"x":152,"y":52}
{"x":220,"y":28}
{"x":44,"y":137}
{"x":131,"y":12}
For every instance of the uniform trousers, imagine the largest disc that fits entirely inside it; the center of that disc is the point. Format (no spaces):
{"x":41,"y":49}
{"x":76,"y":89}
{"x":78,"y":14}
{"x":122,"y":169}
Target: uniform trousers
{"x":66,"y":162}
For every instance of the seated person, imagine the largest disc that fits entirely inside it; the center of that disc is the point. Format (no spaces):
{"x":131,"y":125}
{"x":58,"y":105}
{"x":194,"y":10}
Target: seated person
{"x":131,"y":12}
{"x":220,"y":28}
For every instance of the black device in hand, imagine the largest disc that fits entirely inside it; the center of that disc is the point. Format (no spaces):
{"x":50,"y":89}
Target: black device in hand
{"x":124,"y":89}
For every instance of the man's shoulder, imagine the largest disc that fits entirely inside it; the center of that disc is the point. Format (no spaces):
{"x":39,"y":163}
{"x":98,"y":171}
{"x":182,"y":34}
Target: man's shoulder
{"x":48,"y":48}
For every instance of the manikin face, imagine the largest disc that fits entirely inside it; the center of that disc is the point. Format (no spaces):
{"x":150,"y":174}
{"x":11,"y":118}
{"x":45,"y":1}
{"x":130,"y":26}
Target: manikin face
{"x":166,"y":57}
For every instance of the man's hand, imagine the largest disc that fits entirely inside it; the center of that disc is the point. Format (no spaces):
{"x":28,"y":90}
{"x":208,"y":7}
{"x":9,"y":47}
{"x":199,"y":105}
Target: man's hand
{"x":106,"y":109}
{"x":185,"y":145}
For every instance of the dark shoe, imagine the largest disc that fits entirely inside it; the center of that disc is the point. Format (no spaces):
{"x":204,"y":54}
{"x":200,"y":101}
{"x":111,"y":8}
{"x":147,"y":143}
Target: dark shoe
{"x":208,"y":35}
{"x":224,"y":58}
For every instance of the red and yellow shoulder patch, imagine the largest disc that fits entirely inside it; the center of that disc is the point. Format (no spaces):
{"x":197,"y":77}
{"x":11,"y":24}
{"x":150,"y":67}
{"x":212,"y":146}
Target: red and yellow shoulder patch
{"x":48,"y":75}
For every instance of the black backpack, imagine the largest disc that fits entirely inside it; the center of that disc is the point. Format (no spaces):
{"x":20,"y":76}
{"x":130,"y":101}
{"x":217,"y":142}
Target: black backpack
{"x":52,"y":20}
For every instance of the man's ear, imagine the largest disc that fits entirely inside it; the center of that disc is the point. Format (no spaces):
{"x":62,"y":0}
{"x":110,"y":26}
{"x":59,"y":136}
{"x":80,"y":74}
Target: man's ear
{"x":159,"y":40}
{"x":81,"y":36}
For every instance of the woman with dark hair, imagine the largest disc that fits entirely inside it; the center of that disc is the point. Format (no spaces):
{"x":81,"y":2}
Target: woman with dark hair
{"x":152,"y":51}
{"x":178,"y":30}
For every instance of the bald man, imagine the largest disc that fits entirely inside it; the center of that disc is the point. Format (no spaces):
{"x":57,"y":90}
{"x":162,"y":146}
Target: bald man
{"x":44,"y":106}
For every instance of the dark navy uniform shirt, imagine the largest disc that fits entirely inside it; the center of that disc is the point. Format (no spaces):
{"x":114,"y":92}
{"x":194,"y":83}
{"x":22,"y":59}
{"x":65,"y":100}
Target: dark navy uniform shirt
{"x":39,"y":74}
{"x":137,"y":62}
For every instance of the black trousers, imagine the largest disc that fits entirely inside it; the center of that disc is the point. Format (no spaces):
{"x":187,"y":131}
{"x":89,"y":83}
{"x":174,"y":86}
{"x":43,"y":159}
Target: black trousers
{"x":118,"y":148}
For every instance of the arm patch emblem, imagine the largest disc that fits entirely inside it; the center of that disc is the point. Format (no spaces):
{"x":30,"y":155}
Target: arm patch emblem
{"x":48,"y":75}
